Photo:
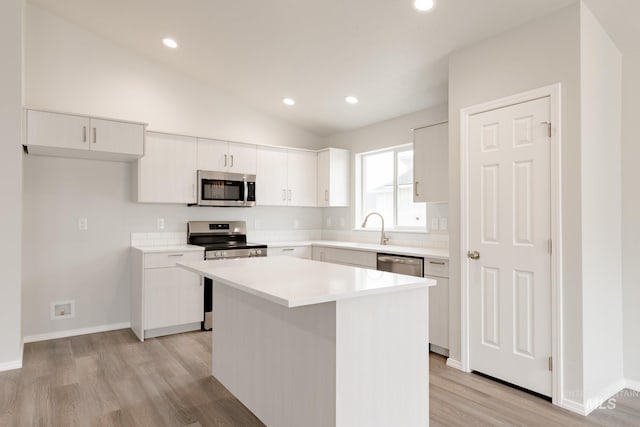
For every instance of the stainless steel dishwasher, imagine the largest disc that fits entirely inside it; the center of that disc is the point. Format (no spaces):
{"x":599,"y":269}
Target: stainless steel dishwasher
{"x":409,"y":265}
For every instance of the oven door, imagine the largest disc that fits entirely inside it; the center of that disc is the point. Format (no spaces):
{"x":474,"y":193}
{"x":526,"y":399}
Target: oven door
{"x":225,"y":189}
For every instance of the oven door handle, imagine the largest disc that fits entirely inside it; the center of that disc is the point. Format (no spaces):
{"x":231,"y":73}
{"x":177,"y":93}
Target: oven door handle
{"x":246,"y":190}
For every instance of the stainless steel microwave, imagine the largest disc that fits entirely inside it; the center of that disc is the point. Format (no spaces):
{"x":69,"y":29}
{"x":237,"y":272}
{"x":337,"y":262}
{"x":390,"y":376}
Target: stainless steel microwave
{"x":226,"y":189}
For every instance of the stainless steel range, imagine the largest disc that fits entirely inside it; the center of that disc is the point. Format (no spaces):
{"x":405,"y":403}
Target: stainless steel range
{"x":221,"y":240}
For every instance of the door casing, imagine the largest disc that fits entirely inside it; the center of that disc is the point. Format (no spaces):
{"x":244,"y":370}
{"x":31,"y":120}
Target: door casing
{"x":554,"y":93}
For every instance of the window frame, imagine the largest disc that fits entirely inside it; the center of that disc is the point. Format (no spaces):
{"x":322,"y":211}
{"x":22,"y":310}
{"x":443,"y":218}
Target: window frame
{"x":360,"y":169}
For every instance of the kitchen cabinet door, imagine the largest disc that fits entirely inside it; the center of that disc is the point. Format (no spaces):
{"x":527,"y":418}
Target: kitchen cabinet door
{"x":172,"y":296}
{"x":352,"y":257}
{"x":431,"y":163}
{"x":439,"y":313}
{"x":212,"y":155}
{"x":271,"y":177}
{"x":302,"y":177}
{"x":46,"y":129}
{"x":290,"y":251}
{"x":333,"y":177}
{"x":167,"y":172}
{"x":242,"y":158}
{"x":110,"y":136}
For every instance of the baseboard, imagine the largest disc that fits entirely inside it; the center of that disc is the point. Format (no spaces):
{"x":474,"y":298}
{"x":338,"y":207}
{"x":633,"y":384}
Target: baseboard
{"x":600,"y":399}
{"x":573,"y":406}
{"x":452,"y":363}
{"x":154,"y":333}
{"x":633,"y":385}
{"x":76,"y":332}
{"x":13,"y":364}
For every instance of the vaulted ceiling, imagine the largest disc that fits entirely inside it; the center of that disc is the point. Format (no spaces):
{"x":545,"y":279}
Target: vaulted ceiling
{"x":393,"y":58}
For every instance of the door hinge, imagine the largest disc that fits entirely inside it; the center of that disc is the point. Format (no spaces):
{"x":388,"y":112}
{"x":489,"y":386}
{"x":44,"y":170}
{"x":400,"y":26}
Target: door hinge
{"x":548,"y":127}
{"x":550,"y":363}
{"x":550,"y":246}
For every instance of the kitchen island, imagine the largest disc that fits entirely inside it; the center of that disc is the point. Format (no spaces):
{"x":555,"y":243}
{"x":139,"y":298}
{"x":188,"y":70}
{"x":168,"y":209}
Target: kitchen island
{"x":302,"y":342}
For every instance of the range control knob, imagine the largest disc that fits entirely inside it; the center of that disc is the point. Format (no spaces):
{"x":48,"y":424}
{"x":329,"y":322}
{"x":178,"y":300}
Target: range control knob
{"x":224,"y":253}
{"x":259,"y":251}
{"x":252,"y":252}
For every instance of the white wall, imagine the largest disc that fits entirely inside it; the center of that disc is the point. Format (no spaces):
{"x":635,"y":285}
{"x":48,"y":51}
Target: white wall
{"x":70,"y":69}
{"x":10,"y":183}
{"x":631,"y":214}
{"x":541,"y":53}
{"x":601,"y":103}
{"x":339,"y":222}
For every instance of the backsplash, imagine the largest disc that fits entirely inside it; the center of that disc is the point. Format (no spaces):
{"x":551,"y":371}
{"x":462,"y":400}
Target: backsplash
{"x":159,"y":239}
{"x":417,"y":240}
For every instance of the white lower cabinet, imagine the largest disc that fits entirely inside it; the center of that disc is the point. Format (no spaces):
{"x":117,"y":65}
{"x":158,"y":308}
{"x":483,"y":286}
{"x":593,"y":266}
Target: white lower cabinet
{"x":164,"y":295}
{"x":352,"y":257}
{"x":438,"y":270}
{"x":291,"y":251}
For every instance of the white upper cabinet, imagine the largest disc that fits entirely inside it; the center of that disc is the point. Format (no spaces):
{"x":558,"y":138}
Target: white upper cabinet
{"x":167,"y":172}
{"x":333,"y":177}
{"x":302,"y":177}
{"x":68,"y":135}
{"x":431,"y":163}
{"x":223,"y":156}
{"x":285,"y":177}
{"x":271,"y":177}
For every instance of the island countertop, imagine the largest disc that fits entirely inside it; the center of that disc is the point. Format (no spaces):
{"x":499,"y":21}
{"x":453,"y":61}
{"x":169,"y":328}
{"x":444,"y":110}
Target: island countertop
{"x":295,"y":282}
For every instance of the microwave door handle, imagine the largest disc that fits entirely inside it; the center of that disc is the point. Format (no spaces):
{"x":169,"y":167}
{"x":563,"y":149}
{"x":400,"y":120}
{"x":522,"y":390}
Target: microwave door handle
{"x":246,"y":190}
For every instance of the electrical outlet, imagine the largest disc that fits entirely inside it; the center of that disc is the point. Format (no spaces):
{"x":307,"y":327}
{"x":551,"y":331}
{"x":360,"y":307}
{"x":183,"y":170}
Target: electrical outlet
{"x":434,"y":224}
{"x":160,"y":223}
{"x":83,"y":224}
{"x":443,"y":223}
{"x":63,"y":310}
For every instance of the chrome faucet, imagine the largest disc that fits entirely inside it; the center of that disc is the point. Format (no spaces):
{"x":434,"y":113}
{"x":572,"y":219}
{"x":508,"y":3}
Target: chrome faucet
{"x":383,"y":238}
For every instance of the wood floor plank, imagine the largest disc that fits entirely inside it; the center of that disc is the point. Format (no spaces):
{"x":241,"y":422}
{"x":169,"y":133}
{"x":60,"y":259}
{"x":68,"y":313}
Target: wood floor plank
{"x":111,"y":379}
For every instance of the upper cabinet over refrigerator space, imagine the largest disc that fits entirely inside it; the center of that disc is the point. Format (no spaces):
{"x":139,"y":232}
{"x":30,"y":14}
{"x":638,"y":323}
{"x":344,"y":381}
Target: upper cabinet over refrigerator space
{"x":431,"y":163}
{"x":71,"y":135}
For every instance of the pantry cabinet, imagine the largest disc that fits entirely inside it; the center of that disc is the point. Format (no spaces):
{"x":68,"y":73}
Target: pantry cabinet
{"x":223,"y":156}
{"x":70,"y":135}
{"x":431,"y":163}
{"x":285,"y":177}
{"x":167,"y":172}
{"x":333,"y":177}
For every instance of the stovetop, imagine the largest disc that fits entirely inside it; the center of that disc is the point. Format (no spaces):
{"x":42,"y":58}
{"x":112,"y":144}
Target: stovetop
{"x":232,"y":246}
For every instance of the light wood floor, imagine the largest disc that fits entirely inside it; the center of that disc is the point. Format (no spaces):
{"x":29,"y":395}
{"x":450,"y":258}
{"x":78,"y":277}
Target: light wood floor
{"x":111,"y":379}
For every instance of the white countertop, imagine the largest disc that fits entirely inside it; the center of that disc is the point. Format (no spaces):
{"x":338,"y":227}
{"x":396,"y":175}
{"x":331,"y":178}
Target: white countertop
{"x":169,"y":248}
{"x":295,"y":282}
{"x":371,"y":247}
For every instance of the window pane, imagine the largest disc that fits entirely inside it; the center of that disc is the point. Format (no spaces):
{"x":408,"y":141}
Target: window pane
{"x":378,"y":187}
{"x":409,"y":214}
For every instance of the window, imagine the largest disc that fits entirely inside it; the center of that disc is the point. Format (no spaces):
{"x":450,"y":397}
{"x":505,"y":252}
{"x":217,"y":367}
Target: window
{"x":385,"y":186}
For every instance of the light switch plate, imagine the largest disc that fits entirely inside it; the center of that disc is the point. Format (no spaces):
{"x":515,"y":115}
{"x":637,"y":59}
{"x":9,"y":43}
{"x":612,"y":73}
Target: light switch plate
{"x":434,"y":223}
{"x":443,"y":223}
{"x":83,"y":224}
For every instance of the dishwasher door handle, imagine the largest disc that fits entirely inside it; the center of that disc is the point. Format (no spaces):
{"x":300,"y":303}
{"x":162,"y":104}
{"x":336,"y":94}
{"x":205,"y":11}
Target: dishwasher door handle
{"x":398,"y":260}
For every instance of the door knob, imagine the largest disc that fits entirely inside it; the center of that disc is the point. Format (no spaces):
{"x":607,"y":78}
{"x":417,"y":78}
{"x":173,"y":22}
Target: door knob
{"x":473,"y":255}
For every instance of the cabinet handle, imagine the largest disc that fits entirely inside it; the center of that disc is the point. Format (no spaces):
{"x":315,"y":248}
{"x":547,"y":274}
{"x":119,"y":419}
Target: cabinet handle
{"x":231,"y":157}
{"x":326,"y":195}
{"x":437,"y":262}
{"x":289,"y":195}
{"x":95,"y":135}
{"x":176,"y":255}
{"x":416,"y":193}
{"x":287,"y":249}
{"x":84,"y":134}
{"x":225,"y":160}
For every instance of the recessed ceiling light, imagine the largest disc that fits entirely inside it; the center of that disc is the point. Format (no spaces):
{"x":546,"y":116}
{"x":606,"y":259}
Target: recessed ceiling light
{"x":289,"y":101}
{"x":168,"y":42}
{"x":351,"y":99}
{"x":423,"y":5}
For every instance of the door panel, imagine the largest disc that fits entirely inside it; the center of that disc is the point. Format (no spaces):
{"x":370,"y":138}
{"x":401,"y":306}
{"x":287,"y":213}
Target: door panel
{"x":57,"y":130}
{"x":510,"y":225}
{"x":212,"y":155}
{"x":242,"y":158}
{"x":110,"y":136}
{"x":271,"y":176}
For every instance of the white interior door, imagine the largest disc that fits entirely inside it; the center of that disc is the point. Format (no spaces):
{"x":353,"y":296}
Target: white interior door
{"x":510,"y":228}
